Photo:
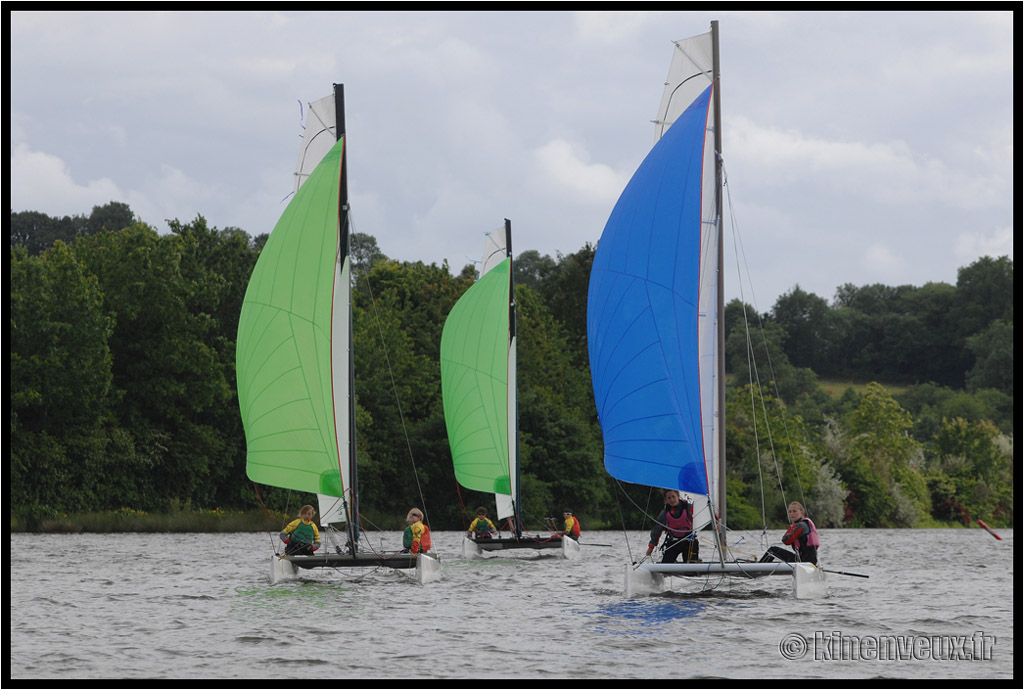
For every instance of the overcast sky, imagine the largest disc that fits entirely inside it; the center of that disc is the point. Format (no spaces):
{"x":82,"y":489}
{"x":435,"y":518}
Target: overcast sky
{"x":860,"y":147}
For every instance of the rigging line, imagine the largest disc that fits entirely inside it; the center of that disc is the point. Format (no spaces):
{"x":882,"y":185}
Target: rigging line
{"x":751,"y":368}
{"x":266,"y":518}
{"x":622,"y":521}
{"x":754,"y":381}
{"x":751,"y":364}
{"x":643,"y":511}
{"x":394,"y":385}
{"x":738,"y":244}
{"x":785,"y":422}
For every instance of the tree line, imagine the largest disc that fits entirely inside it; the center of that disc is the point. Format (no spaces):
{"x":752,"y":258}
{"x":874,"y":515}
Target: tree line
{"x":123,"y":390}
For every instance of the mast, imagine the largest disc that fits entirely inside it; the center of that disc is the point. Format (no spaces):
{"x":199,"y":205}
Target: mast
{"x":343,"y":258}
{"x":720,"y":347}
{"x":513,"y":397}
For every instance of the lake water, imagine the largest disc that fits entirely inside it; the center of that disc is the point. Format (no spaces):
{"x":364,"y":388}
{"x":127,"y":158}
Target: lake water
{"x":938,"y":604}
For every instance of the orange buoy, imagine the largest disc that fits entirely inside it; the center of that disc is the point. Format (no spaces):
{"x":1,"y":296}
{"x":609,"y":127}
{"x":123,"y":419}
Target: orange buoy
{"x":989,"y":529}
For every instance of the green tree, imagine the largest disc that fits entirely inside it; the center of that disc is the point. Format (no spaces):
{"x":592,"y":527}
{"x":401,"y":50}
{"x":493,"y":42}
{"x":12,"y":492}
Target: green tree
{"x":776,"y":458}
{"x":993,"y":350}
{"x":166,"y":372}
{"x":564,"y":292}
{"x":114,"y":215}
{"x":559,"y":441}
{"x":37,"y":231}
{"x":805,"y":319}
{"x":758,"y":355}
{"x":935,"y":355}
{"x":532,"y":269}
{"x":399,"y":311}
{"x":985,"y":293}
{"x":883,"y":462}
{"x":60,"y":369}
{"x":364,"y":253}
{"x":972,"y":472}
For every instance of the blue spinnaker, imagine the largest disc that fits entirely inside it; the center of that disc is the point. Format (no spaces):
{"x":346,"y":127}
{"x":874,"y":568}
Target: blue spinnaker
{"x":643,"y":315}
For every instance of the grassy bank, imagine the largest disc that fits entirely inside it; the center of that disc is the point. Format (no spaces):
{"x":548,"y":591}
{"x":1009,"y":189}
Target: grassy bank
{"x":217,"y":520}
{"x":835,"y":389}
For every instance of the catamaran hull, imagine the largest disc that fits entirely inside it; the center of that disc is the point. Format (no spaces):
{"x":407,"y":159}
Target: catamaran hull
{"x":809,"y":582}
{"x":569,"y":548}
{"x":426,"y":567}
{"x":650,"y":578}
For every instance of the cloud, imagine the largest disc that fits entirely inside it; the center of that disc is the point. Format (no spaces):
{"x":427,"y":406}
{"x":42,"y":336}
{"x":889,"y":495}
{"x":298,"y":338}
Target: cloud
{"x":173,"y":195}
{"x":970,"y":246}
{"x":881,"y":261}
{"x":43,"y":182}
{"x":878,"y":172}
{"x":561,"y":165}
{"x":612,"y":27}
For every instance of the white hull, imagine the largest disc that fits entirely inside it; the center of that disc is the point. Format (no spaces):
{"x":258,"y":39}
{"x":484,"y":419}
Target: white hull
{"x":809,"y":582}
{"x":428,"y":569}
{"x":281,"y":569}
{"x":651,"y":578}
{"x":470,"y":550}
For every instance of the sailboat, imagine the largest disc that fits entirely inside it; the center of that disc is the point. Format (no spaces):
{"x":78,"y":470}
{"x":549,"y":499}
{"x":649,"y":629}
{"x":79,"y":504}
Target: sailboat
{"x":655,"y":324}
{"x":294,"y":360}
{"x":478,"y":388}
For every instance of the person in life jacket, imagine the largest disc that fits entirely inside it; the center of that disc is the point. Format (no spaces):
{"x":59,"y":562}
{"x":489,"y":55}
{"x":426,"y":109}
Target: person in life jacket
{"x":572,"y":525}
{"x":481,"y":527}
{"x":417,"y":535}
{"x":802,"y":535}
{"x":301,"y":537}
{"x":676,"y":521}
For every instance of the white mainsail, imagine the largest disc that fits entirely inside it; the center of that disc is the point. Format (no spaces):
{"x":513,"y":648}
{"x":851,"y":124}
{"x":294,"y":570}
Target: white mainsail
{"x":495,"y":252}
{"x":318,"y":137}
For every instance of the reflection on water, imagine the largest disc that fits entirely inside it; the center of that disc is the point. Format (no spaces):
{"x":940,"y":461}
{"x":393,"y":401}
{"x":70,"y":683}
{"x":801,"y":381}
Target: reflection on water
{"x":644,"y":616}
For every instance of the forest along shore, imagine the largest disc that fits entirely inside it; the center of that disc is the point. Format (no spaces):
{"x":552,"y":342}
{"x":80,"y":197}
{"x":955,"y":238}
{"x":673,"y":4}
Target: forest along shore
{"x":123,"y":395}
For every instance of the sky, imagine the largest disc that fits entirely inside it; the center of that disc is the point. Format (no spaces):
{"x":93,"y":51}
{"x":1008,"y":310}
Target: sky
{"x":860,"y":147}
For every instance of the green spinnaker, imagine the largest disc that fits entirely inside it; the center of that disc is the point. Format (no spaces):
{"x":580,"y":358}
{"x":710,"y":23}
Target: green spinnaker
{"x":474,"y":382}
{"x":284,"y":347}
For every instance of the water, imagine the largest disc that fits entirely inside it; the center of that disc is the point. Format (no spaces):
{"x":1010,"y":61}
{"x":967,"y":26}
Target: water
{"x":176,"y":606}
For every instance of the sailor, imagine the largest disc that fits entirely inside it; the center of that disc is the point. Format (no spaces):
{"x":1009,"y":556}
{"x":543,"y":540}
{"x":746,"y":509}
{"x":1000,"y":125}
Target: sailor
{"x":802,"y":535}
{"x":416,"y":538}
{"x":481,"y":527}
{"x":572,"y":525}
{"x":301,"y":536}
{"x":676,"y":520}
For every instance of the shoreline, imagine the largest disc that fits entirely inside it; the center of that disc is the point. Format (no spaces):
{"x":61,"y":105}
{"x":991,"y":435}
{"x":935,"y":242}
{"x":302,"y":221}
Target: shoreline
{"x":255,"y":521}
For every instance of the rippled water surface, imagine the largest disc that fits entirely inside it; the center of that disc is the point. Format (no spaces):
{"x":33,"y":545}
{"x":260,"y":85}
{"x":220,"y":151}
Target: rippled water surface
{"x":201,"y":606}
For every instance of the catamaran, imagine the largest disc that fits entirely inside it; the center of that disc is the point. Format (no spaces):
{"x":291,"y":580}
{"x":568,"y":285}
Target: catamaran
{"x":296,"y":383}
{"x":655,"y":324}
{"x":478,"y":387}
